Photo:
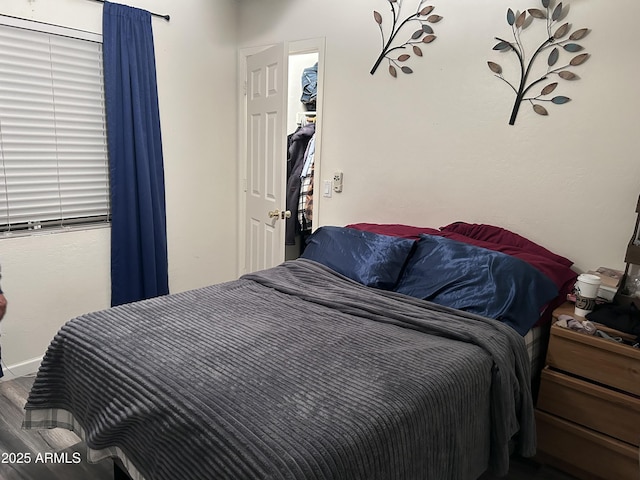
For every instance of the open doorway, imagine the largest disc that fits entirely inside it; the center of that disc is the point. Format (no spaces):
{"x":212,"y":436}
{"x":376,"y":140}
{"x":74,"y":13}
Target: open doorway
{"x":301,"y":128}
{"x":263,"y":171}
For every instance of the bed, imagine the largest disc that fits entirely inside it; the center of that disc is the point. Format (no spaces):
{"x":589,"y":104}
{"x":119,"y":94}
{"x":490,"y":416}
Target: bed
{"x":298,"y":372}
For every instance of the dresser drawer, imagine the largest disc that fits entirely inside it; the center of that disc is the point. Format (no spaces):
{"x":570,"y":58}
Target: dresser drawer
{"x":594,"y":456}
{"x":610,"y":412}
{"x":595,"y":358}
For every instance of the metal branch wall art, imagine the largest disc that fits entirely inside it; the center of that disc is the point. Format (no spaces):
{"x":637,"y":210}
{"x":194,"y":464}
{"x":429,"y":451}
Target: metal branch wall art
{"x":556,"y":41}
{"x":396,"y":53}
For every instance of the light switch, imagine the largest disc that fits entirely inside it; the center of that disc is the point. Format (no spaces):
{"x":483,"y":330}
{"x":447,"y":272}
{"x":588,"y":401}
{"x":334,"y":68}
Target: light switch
{"x":327,"y":188}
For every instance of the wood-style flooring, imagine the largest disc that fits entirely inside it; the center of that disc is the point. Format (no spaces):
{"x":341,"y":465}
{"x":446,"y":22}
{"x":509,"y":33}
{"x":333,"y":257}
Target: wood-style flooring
{"x":13,"y":395}
{"x":14,"y":440}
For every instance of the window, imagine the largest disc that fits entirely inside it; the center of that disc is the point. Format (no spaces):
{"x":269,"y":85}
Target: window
{"x":53,"y":149}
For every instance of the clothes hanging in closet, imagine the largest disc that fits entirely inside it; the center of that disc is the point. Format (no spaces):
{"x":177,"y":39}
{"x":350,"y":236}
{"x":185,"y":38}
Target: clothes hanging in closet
{"x":309,"y":82}
{"x":296,"y":160}
{"x":305,"y":204}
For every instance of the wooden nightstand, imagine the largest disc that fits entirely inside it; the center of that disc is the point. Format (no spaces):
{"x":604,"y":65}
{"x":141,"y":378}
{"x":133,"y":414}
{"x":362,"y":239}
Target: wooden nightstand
{"x":588,"y":409}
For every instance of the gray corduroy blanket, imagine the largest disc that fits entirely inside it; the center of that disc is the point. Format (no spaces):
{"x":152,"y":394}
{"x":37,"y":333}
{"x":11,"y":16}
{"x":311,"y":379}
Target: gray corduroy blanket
{"x":290,"y":373}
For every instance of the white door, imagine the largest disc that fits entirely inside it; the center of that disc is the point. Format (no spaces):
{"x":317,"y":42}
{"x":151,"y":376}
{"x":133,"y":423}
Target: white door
{"x":266,"y":100}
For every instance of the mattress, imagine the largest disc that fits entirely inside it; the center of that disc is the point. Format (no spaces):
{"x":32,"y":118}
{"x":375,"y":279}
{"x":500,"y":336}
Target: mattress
{"x":536,"y":341}
{"x":293,"y":372}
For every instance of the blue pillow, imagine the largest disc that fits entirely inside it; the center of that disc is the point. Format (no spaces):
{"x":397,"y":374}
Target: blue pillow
{"x":477,"y":280}
{"x":369,"y":258}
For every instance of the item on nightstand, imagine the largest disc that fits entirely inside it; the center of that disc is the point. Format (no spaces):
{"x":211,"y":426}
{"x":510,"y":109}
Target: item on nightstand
{"x":606,"y":336}
{"x":586,"y":291}
{"x":628,"y":291}
{"x":567,"y":321}
{"x":610,"y":277}
{"x":632,"y":285}
{"x":625,"y":318}
{"x":611,"y":280}
{"x":606,"y":293}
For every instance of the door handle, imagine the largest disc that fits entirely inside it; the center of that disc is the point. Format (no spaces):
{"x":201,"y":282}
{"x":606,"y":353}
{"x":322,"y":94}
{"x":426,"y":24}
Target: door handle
{"x":280,"y":214}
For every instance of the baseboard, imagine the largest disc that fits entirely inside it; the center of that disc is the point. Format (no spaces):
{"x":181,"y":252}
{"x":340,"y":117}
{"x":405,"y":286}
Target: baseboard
{"x":16,"y":370}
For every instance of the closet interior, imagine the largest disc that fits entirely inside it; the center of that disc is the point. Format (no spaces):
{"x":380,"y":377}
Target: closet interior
{"x":301,"y":127}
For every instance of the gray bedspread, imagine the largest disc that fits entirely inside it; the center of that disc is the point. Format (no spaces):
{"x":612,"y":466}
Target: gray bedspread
{"x":290,"y":373}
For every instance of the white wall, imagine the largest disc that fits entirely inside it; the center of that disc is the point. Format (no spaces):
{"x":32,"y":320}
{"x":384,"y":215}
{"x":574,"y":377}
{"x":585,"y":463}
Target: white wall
{"x":49,"y":279}
{"x":435,"y":146}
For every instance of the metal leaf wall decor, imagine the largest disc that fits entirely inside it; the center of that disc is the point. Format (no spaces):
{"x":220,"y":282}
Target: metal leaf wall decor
{"x":396,"y":51}
{"x":558,"y":44}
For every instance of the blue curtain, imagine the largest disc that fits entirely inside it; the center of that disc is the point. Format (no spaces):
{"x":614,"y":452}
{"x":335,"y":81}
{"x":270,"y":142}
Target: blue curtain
{"x":139,"y":266}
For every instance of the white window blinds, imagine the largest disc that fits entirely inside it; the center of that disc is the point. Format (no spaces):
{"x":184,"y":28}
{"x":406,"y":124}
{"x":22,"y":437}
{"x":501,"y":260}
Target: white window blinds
{"x":53,"y":149}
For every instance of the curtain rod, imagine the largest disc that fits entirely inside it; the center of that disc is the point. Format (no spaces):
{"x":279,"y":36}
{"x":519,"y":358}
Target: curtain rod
{"x":166,"y":17}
